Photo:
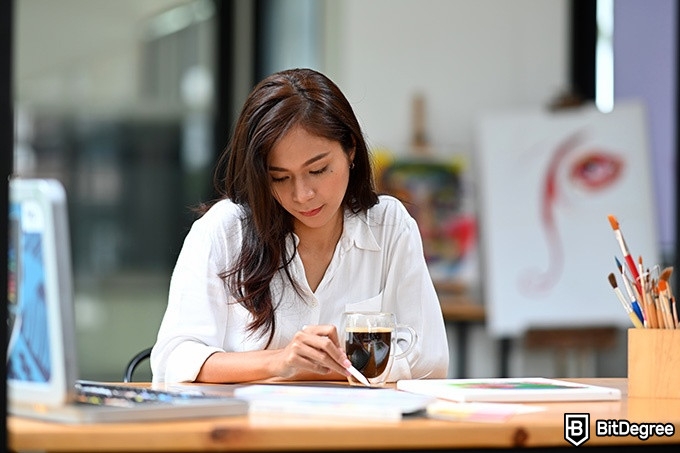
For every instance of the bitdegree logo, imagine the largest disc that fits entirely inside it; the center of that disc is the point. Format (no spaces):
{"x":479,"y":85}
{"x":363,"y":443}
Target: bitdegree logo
{"x":577,"y":428}
{"x":622,"y":428}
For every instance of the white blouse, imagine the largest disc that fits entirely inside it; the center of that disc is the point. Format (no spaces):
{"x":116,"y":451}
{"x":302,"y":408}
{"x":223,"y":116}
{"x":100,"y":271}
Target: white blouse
{"x":378,"y":265}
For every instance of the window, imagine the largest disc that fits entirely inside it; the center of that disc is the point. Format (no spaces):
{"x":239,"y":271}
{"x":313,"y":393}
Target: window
{"x":116,"y":100}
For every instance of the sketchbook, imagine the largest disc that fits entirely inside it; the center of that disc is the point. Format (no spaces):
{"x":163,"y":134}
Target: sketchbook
{"x":508,"y":390}
{"x":379,"y":404}
{"x":478,"y":412}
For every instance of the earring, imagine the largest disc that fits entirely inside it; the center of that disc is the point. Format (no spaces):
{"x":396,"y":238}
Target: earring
{"x":351,"y":165}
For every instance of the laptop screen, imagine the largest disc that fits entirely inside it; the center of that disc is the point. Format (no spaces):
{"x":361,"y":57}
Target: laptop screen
{"x":41,"y":366}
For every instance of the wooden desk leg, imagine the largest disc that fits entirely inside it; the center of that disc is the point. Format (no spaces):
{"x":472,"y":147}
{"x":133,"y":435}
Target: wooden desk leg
{"x":461,"y":339}
{"x":505,"y":345}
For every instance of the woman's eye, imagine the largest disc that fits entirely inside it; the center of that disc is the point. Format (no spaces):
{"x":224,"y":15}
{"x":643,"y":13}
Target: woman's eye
{"x":596,"y":170}
{"x":311,"y":172}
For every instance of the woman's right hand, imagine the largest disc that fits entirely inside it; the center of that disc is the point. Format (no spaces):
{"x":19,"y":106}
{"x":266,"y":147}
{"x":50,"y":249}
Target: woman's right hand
{"x":313,"y":349}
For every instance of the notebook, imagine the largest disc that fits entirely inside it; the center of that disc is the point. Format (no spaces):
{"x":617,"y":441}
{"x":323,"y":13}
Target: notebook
{"x":41,"y":355}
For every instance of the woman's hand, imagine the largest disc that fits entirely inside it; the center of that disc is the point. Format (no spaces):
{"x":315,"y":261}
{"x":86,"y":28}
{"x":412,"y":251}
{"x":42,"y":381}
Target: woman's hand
{"x":314,"y":349}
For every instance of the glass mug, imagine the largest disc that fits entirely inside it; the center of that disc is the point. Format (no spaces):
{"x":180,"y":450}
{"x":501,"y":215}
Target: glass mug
{"x":370,"y":340}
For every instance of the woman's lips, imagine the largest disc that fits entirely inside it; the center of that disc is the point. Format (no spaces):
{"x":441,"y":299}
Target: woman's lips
{"x":312,"y":212}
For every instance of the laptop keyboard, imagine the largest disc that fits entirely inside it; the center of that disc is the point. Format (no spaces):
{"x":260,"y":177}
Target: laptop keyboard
{"x":102,"y":394}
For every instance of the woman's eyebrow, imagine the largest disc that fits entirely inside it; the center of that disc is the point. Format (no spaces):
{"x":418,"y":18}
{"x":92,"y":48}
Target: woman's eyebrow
{"x":308,"y":162}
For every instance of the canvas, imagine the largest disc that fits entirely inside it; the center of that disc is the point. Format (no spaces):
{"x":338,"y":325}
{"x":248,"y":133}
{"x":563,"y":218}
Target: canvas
{"x":547,"y":183}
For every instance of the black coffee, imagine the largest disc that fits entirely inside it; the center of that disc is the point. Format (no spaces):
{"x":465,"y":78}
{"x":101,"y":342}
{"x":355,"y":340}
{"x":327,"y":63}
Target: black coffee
{"x":369,"y":352}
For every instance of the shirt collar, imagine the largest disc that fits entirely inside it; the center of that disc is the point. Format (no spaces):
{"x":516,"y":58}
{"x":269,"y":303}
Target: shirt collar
{"x":356,"y":231}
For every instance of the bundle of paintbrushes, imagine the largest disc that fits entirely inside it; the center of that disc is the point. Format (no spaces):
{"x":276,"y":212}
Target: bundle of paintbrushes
{"x":649,"y":303}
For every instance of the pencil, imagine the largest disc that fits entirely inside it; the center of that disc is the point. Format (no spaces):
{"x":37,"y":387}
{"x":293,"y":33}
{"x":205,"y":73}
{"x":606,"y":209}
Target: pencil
{"x":633,"y":317}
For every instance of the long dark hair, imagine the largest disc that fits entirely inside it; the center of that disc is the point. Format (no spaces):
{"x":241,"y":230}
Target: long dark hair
{"x":295,"y":97}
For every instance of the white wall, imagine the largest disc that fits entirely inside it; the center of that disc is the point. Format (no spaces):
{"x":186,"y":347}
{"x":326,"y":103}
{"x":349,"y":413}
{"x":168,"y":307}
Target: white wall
{"x":464,"y":56}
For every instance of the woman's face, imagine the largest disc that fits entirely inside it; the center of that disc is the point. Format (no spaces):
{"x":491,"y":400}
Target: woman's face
{"x":309,"y":176}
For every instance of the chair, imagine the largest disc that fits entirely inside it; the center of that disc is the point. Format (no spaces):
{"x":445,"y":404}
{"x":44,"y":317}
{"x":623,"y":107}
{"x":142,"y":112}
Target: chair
{"x":134,"y":362}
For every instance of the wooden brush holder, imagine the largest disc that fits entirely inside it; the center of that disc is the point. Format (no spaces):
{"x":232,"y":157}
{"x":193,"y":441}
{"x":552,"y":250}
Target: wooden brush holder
{"x":654,"y":363}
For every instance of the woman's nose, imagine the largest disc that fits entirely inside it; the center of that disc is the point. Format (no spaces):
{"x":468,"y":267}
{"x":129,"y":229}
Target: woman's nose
{"x":302,"y":190}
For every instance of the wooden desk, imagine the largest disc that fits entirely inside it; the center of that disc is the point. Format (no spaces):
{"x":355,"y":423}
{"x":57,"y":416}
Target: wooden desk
{"x":541,"y":429}
{"x":461,"y":308}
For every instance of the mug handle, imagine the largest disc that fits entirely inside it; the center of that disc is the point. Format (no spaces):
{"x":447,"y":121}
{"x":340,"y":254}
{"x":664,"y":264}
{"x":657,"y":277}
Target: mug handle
{"x":411,"y":343}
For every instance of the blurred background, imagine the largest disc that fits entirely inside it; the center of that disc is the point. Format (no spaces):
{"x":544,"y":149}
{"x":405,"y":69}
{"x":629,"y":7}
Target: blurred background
{"x":129,"y":102}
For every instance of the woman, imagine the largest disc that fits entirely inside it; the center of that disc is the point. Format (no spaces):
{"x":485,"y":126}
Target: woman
{"x":298,"y":237}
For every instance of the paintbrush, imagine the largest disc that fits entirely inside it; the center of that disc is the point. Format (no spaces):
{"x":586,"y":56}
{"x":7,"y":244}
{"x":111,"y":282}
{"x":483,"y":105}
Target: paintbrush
{"x":629,"y":289}
{"x":647,"y":302}
{"x":633,"y":317}
{"x":666,"y":276}
{"x":624,"y":249}
{"x":665,"y":304}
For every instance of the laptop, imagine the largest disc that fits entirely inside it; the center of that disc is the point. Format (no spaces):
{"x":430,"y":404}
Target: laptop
{"x":42,"y":367}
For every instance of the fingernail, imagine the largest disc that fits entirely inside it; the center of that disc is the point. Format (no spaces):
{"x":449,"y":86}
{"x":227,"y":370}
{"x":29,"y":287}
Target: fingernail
{"x":347,"y":363}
